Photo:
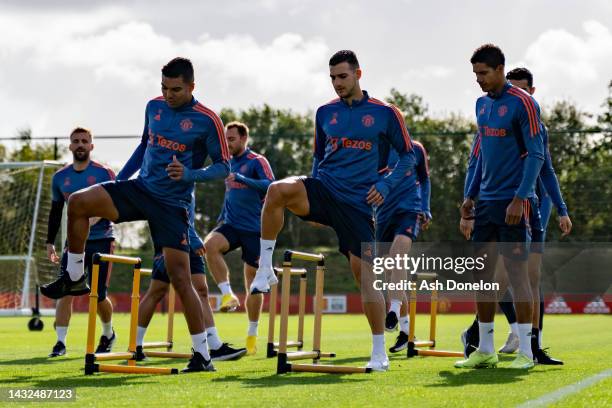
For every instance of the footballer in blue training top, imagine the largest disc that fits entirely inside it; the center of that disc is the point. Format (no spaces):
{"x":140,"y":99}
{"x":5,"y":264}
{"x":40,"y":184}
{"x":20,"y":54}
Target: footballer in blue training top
{"x":547,"y":191}
{"x":180,"y":133}
{"x":353,"y":135}
{"x":245,"y":190}
{"x":398,"y":222}
{"x":82,"y":173}
{"x":510,"y":156}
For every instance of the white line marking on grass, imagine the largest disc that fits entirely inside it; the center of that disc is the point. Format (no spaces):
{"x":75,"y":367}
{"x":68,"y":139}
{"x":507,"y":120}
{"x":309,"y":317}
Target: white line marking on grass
{"x":567,"y":390}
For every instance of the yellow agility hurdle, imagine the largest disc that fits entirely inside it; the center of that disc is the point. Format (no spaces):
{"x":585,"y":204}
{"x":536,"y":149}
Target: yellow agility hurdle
{"x":299,"y":343}
{"x":168,"y":344}
{"x":91,"y":358}
{"x":283,"y":357}
{"x":413,"y":345}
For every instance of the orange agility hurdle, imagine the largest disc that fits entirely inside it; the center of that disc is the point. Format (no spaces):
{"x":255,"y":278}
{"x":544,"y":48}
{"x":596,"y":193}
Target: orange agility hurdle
{"x":413,"y":345}
{"x":299,"y":343}
{"x":91,"y":358}
{"x":168,"y":344}
{"x":283,"y":357}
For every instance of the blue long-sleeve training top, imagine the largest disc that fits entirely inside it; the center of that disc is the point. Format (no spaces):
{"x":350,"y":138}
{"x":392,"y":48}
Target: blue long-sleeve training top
{"x":244,"y":196}
{"x":547,"y":187}
{"x":548,"y":184}
{"x":511,"y":150}
{"x":413,"y":193}
{"x":351,"y":146}
{"x":67,"y":180}
{"x":192,"y":133}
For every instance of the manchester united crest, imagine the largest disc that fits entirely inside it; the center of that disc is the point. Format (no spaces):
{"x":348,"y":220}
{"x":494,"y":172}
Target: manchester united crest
{"x":367,"y":120}
{"x":186,"y":125}
{"x":502,"y":110}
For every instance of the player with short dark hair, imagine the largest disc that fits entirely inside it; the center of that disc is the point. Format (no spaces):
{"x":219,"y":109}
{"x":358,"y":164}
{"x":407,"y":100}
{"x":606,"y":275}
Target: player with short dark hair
{"x":548,"y":193}
{"x":81,"y":173}
{"x":489,"y":55}
{"x":511,"y":154}
{"x":245,"y":189}
{"x":179,"y":134}
{"x":352,"y":136}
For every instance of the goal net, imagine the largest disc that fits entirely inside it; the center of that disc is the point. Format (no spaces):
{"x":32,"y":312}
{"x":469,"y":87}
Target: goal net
{"x":25,"y":201}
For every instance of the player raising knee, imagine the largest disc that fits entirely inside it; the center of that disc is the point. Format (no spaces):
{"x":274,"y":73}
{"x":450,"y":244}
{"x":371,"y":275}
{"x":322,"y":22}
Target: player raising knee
{"x":352,"y":136}
{"x":82,"y":173}
{"x":179,"y":134}
{"x":510,"y":157}
{"x":399,"y":220}
{"x":160,"y":283}
{"x":245,"y":189}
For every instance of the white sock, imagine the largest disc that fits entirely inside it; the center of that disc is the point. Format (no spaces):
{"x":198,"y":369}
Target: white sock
{"x":404,"y":323}
{"x":214,"y":342}
{"x":140,"y":333}
{"x":75,"y":266}
{"x":540,"y":338}
{"x":107,"y":329}
{"x":514,"y":328}
{"x":378,"y":345}
{"x":524,"y":330}
{"x":225,"y":287}
{"x":61,"y":331}
{"x":200,"y":345}
{"x":253,"y":328}
{"x":395,"y":307}
{"x":486,"y":333}
{"x":266,"y":251}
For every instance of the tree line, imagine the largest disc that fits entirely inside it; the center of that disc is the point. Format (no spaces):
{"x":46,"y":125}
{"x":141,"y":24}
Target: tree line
{"x":580,"y":145}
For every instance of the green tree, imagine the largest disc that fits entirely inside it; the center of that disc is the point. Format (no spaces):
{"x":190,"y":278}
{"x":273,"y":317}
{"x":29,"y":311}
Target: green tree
{"x":30,"y":151}
{"x":582,"y":157}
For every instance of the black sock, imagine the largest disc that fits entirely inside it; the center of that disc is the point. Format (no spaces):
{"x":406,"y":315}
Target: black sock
{"x":541,"y":308}
{"x":473,"y":329}
{"x":507,"y":306}
{"x":534,"y":339}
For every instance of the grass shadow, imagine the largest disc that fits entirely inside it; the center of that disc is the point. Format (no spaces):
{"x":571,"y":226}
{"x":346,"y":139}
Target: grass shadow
{"x":40,"y":360}
{"x":77,"y":381}
{"x":491,"y":376}
{"x":276,"y":380}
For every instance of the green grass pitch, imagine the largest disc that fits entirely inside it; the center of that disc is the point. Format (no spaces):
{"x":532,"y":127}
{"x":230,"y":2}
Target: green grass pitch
{"x":583,"y":342}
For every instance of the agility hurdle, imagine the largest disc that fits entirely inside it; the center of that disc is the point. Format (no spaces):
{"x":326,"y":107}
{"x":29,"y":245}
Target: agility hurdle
{"x":91,"y":358}
{"x":283,"y":357}
{"x":299,"y":343}
{"x":168,"y":344}
{"x":413,"y":345}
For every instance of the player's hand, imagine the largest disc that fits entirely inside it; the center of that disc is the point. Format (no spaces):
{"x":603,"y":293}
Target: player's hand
{"x":514,"y":211}
{"x":175,"y":169}
{"x":424,"y":221}
{"x":565,"y":223}
{"x":94,"y":220}
{"x":374,"y":197}
{"x":51,"y":254}
{"x":231,"y":177}
{"x":200,"y":251}
{"x":466,"y":227}
{"x":467,"y":209}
